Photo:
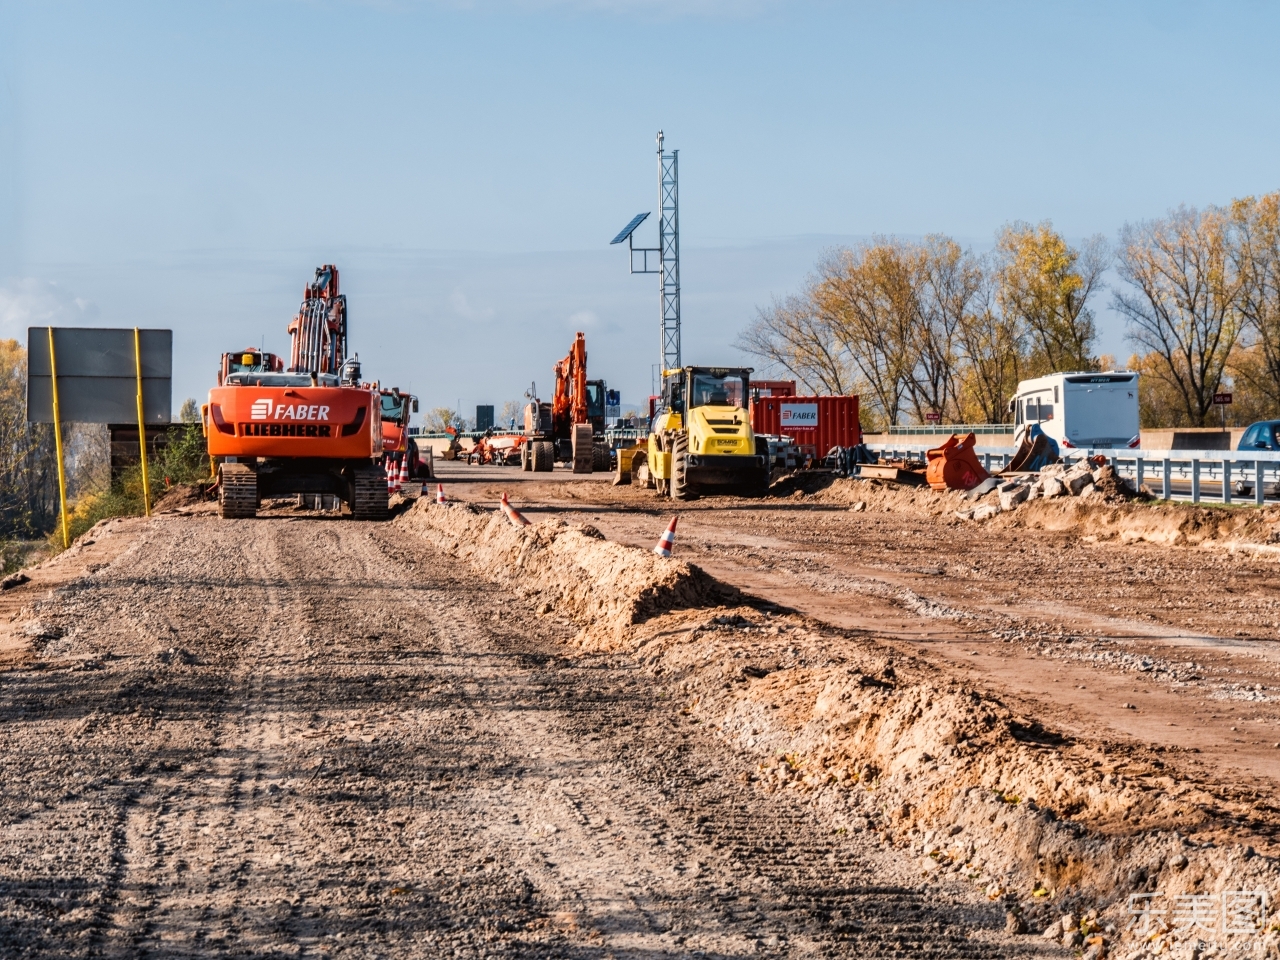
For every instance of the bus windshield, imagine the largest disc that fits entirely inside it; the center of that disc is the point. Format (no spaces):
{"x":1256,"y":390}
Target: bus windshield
{"x":709,"y":391}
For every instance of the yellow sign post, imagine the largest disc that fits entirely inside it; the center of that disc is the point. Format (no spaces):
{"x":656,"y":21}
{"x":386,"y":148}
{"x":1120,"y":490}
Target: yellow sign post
{"x":57,"y":443}
{"x":142,"y":423}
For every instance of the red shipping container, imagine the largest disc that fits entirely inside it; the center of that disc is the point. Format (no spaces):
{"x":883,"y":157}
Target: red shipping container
{"x":815,"y":423}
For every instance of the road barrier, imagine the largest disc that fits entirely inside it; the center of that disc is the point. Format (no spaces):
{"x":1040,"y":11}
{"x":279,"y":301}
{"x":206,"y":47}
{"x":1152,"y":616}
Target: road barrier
{"x":1239,"y":473}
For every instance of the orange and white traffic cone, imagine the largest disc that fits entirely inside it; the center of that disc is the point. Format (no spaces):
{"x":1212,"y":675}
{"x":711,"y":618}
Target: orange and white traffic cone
{"x":404,"y":472}
{"x":391,"y":477}
{"x":515,"y":516}
{"x":668,"y":540}
{"x":440,"y":495}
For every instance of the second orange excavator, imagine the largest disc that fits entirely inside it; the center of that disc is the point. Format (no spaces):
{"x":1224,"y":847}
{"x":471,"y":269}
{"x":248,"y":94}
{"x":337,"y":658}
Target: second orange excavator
{"x":571,"y":427}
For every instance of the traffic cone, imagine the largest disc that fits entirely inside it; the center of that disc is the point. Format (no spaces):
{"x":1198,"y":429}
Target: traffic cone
{"x":440,"y":495}
{"x":391,"y":478}
{"x":515,"y":516}
{"x":668,"y":540}
{"x":404,"y":472}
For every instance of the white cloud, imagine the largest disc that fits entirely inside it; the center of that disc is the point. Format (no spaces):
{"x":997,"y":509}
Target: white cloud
{"x":40,"y":303}
{"x":584,"y":319}
{"x":463,"y":308}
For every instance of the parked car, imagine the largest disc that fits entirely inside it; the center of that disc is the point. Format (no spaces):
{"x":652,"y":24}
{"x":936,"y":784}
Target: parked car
{"x":1264,"y":435}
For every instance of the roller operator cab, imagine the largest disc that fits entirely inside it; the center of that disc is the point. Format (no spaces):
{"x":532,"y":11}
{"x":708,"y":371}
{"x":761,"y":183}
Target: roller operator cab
{"x":701,"y":437}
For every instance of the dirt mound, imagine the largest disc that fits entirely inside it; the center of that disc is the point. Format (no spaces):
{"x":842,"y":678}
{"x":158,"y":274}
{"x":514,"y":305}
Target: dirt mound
{"x":604,"y":587}
{"x":1125,"y":516}
{"x":1113,"y":488}
{"x":180,"y":495}
{"x":965,"y":786}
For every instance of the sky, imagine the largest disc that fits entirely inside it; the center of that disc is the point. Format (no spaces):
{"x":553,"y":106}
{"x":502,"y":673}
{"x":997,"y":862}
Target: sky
{"x":466,"y":163}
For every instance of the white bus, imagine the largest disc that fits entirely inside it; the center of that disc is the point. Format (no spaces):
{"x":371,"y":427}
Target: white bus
{"x":1079,"y":409}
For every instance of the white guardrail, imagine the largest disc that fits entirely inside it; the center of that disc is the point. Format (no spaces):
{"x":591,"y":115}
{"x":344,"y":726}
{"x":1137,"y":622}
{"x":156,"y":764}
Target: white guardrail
{"x":1160,"y":470}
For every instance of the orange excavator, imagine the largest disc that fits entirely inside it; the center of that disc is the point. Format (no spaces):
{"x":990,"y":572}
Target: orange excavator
{"x":313,"y":428}
{"x":571,"y":427}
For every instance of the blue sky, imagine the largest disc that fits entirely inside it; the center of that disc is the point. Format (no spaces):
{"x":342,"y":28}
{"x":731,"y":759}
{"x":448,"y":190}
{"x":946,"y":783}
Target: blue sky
{"x":465,"y":164}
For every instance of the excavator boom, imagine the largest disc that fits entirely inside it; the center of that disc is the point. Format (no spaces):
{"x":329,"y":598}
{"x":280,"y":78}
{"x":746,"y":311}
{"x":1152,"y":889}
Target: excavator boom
{"x":319,"y":331}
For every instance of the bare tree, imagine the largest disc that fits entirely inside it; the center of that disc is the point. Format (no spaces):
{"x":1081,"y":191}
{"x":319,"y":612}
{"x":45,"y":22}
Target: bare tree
{"x":789,"y":335}
{"x":512,"y":412}
{"x":1184,"y":299}
{"x":946,"y":280}
{"x":992,"y":346}
{"x":1255,"y":253}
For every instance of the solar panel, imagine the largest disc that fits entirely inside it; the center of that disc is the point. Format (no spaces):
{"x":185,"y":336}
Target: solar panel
{"x":630,"y":228}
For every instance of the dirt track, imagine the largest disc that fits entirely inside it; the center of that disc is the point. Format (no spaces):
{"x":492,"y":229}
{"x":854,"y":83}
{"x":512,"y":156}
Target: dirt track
{"x":311,"y":737}
{"x":1171,"y":648}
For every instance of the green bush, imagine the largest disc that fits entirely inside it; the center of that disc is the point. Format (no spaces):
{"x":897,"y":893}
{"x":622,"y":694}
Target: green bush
{"x":184,"y":460}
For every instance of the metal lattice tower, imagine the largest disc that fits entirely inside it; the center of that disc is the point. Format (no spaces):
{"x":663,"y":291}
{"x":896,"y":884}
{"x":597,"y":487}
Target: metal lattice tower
{"x":669,"y":258}
{"x":667,"y":252}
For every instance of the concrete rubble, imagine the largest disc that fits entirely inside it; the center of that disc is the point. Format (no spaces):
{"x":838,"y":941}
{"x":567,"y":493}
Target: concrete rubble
{"x":1081,"y":480}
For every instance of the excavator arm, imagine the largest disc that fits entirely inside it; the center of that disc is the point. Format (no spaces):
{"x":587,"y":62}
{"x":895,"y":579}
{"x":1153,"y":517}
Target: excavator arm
{"x":319,"y":331}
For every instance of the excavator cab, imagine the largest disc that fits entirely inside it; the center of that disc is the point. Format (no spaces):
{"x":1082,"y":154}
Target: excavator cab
{"x":595,"y":405}
{"x":397,"y":406}
{"x":247,"y":362}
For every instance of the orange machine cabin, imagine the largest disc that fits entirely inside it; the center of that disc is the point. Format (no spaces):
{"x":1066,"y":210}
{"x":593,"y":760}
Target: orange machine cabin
{"x":293,"y":415}
{"x":396,"y":408}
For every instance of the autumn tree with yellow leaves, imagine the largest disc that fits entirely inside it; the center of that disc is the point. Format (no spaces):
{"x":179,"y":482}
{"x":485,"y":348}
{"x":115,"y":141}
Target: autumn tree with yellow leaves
{"x":927,"y":327}
{"x":1044,"y":286}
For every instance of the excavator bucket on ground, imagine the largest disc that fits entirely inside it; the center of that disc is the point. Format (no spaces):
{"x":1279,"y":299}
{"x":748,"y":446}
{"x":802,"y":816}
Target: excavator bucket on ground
{"x":1036,"y":451}
{"x":954,"y":465}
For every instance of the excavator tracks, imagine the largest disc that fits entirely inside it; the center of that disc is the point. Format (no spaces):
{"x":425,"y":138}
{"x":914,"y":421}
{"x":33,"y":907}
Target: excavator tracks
{"x":369,"y":494}
{"x":237,"y":491}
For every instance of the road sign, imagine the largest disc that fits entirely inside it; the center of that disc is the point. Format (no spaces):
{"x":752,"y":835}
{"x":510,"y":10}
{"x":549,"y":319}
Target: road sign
{"x":98,"y":375}
{"x":1222,"y":398}
{"x":933,"y":415}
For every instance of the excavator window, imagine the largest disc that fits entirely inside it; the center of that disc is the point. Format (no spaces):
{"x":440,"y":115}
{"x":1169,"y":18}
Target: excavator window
{"x":393,"y":406}
{"x":709,"y":391}
{"x":595,"y":398}
{"x":249,"y":362}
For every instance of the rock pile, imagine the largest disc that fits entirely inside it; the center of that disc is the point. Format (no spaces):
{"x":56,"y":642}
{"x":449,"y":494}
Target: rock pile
{"x":1081,"y":479}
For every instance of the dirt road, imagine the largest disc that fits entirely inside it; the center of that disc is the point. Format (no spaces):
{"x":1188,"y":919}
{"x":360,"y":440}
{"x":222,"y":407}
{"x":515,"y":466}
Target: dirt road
{"x":297,"y":736}
{"x":1174,"y":649}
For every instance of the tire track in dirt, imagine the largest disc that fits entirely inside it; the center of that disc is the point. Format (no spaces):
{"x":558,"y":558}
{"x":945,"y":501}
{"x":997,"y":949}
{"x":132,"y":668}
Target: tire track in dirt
{"x":313,"y":738}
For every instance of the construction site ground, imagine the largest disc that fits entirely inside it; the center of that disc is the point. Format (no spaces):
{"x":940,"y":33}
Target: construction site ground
{"x":1170,"y":647}
{"x":305,"y":736}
